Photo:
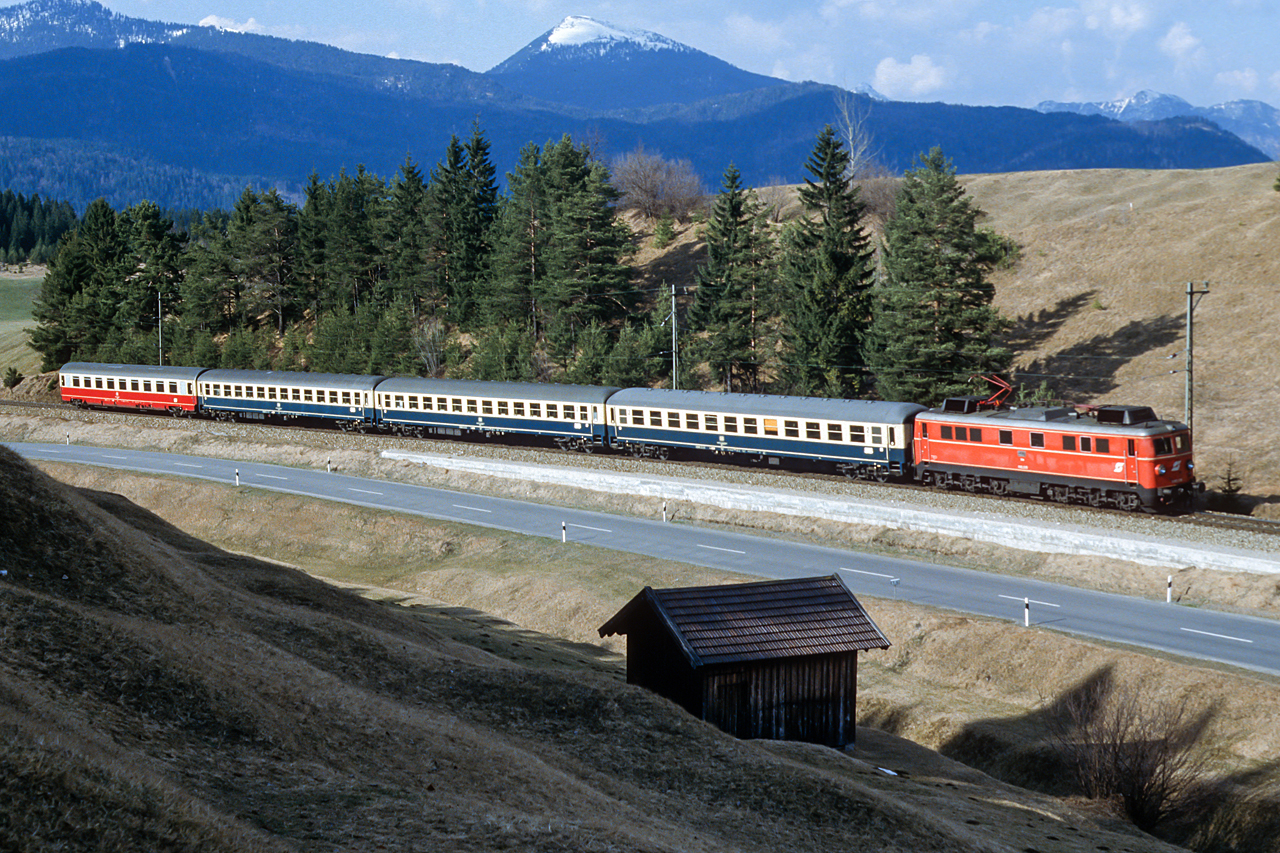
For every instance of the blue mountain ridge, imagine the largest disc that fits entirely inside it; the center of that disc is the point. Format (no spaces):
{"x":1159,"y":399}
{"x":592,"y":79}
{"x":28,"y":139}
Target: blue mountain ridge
{"x":204,"y":102}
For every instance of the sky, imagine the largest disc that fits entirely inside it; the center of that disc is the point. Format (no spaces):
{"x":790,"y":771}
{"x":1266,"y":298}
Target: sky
{"x":978,"y":52}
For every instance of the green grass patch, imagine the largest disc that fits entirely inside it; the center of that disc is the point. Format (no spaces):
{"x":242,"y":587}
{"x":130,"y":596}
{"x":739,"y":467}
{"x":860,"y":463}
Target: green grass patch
{"x":17,"y":293}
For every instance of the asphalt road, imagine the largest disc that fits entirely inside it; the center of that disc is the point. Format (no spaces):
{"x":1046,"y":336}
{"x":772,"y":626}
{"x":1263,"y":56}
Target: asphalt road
{"x":1243,"y":641}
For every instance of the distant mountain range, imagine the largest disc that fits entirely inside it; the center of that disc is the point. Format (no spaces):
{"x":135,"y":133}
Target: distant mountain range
{"x":1256,"y":122}
{"x":188,"y":115}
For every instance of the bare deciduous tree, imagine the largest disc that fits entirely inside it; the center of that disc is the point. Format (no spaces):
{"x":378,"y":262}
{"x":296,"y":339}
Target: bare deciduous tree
{"x":655,"y":186}
{"x":429,"y":337}
{"x":1126,"y":746}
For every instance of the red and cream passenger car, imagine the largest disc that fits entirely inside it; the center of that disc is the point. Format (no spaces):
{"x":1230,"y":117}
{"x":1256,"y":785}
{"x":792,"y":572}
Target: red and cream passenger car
{"x":130,"y":386}
{"x":1121,"y":456}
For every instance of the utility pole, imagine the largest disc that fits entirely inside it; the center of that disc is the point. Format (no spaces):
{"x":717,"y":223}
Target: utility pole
{"x":1193,"y":299}
{"x":675,"y":357}
{"x":160,"y":325}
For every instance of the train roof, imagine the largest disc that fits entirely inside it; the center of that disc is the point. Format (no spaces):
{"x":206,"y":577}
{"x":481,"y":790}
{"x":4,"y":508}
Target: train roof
{"x":551,"y":392}
{"x":1132,"y":420}
{"x":293,"y":378}
{"x":141,"y":371}
{"x":861,"y":411}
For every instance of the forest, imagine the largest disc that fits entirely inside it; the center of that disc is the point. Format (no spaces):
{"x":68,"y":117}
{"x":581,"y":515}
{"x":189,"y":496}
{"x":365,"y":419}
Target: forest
{"x":442,"y":273}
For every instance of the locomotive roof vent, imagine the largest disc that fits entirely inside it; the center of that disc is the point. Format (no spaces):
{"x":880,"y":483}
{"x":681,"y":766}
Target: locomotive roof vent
{"x":961,"y":405}
{"x":1125,"y":415}
{"x":1046,"y":413}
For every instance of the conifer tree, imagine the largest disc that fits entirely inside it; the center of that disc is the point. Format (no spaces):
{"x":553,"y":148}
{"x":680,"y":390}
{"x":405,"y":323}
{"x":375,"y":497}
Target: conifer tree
{"x":726,"y":306}
{"x":518,"y":263}
{"x":935,"y":328}
{"x":827,"y":272}
{"x":587,"y":279}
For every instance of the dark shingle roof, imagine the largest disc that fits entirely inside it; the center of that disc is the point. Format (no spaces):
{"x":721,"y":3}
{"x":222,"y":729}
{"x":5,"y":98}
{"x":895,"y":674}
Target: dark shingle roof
{"x":757,"y":621}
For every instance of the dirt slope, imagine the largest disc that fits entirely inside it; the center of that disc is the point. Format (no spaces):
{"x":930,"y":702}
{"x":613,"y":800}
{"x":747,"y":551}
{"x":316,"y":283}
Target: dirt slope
{"x":161,"y":694}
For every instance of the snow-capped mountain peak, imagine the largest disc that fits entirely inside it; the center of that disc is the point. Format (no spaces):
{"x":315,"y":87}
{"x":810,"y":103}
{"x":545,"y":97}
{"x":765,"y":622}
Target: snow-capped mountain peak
{"x":579,"y":30}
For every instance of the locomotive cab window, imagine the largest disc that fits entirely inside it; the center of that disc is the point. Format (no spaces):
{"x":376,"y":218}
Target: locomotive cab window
{"x":1182,"y":442}
{"x":1163,"y":445}
{"x":1037,"y":439}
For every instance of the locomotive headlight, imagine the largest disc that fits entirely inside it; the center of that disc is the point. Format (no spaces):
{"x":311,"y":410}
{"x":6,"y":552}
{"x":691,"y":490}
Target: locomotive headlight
{"x":1160,"y":469}
{"x":1191,"y":466}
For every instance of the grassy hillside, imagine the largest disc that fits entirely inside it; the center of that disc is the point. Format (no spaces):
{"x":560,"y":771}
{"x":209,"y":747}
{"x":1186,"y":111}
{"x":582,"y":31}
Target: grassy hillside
{"x":17,"y":290}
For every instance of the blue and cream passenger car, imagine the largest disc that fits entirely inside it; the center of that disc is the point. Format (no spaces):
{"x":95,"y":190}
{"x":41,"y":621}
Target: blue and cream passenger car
{"x":857,"y":437}
{"x":573,"y":416}
{"x":259,"y":394}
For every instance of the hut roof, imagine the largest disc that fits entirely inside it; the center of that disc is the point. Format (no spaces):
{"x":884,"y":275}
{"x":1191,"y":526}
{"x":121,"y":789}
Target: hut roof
{"x":731,"y":623}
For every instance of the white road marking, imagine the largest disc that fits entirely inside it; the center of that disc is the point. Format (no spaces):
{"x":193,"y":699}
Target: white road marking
{"x":726,"y":550}
{"x":1031,"y":600}
{"x":472,"y":508}
{"x":585,"y":527}
{"x":365,"y":492}
{"x":272,"y":477}
{"x":873,"y":574}
{"x":187,"y":465}
{"x":107,"y":456}
{"x":1219,"y":636}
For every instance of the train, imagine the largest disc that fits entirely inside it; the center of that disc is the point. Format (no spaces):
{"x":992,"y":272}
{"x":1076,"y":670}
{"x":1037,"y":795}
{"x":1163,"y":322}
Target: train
{"x":1119,"y":456}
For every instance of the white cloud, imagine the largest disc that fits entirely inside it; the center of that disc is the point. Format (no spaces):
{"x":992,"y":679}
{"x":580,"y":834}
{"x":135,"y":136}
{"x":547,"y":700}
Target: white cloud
{"x":1117,"y":19}
{"x":1275,"y":80}
{"x":918,"y":77}
{"x":1180,"y":44}
{"x":249,"y":26}
{"x":760,"y":35}
{"x":1244,"y":78}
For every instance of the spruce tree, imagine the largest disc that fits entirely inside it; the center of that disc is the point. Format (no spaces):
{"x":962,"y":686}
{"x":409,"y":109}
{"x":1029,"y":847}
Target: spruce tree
{"x":935,"y":328}
{"x":726,"y":308}
{"x":518,"y":263}
{"x":827,"y":272}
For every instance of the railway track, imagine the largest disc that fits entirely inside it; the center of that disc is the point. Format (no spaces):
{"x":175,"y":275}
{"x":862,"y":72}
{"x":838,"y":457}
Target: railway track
{"x":1214,"y":520}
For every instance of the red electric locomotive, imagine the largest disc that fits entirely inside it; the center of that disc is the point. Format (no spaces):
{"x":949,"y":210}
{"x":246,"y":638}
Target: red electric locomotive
{"x":1121,"y":456}
{"x":130,"y":386}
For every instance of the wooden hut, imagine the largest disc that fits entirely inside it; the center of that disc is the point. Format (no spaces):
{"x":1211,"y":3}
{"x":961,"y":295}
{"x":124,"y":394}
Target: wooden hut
{"x":777,"y":659}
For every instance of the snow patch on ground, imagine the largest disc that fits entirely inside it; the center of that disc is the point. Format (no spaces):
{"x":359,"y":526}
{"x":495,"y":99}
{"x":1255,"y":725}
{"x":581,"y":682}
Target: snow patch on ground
{"x":1040,"y":536}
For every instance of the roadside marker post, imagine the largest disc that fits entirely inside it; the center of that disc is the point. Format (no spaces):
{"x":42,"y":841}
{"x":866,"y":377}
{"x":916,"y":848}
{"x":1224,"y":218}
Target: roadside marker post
{"x":1168,"y":591}
{"x":664,"y":512}
{"x":564,"y":532}
{"x":237,"y":476}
